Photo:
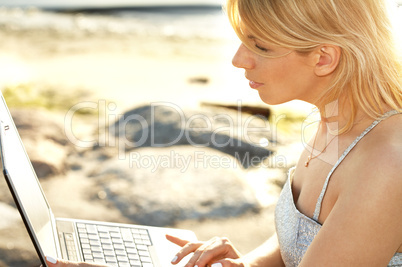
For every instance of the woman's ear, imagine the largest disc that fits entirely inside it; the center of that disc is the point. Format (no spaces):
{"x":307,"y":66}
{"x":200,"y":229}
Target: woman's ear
{"x":328,"y":57}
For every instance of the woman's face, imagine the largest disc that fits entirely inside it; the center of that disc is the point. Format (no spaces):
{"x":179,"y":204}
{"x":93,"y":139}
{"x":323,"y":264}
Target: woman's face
{"x":287,"y":76}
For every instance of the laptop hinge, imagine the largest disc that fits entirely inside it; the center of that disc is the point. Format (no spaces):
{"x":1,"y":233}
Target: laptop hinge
{"x":55,"y":235}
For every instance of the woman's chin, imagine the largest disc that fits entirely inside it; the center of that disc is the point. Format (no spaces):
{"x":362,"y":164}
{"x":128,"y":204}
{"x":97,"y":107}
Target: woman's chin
{"x":272,"y":100}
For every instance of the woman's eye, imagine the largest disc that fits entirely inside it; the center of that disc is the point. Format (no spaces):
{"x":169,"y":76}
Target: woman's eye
{"x":261,"y":48}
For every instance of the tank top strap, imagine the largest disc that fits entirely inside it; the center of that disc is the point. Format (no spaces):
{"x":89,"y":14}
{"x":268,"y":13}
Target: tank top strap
{"x":344,"y":154}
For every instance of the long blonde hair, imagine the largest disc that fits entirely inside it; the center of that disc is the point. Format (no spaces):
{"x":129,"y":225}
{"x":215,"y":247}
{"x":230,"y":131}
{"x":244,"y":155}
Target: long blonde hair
{"x":369,"y":71}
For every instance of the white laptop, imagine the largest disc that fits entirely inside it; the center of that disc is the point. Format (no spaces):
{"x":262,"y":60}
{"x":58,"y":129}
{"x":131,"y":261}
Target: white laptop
{"x":79,"y":240}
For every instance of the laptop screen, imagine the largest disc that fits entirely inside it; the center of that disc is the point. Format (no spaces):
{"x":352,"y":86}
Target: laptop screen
{"x":25,"y":183}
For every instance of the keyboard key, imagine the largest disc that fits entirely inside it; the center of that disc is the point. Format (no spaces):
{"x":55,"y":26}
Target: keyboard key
{"x":129,"y":244}
{"x":135,"y":231}
{"x":138,"y":241}
{"x":122,"y":258}
{"x":146,"y":259}
{"x":103,"y":229}
{"x":119,"y":246}
{"x":133,"y":256}
{"x":98,"y":255}
{"x":82,"y":230}
{"x":146,"y":264}
{"x":143,"y":231}
{"x":110,"y":259}
{"x":114,"y":234}
{"x":147,"y":242}
{"x":146,"y":239}
{"x":88,"y":257}
{"x":95,"y":243}
{"x":84,"y":240}
{"x":126,"y":235}
{"x":96,"y":249}
{"x":83,"y":235}
{"x":137,"y":236}
{"x":136,"y":263}
{"x":85,"y":246}
{"x":109,"y":253}
{"x":91,"y":229}
{"x":132,"y":250}
{"x":93,"y":237}
{"x":114,"y":229}
{"x":106,"y":241}
{"x":117,"y":241}
{"x":80,"y":225}
{"x":99,"y":261}
{"x":142,"y":247}
{"x":120,"y":253}
{"x":107,"y":247}
{"x":124,"y":264}
{"x":143,"y":253}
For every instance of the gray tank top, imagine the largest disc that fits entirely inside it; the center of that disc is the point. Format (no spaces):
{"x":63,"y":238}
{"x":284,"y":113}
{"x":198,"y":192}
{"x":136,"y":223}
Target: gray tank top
{"x":295,"y":230}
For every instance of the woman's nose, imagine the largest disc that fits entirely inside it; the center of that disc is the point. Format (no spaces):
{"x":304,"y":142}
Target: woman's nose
{"x":243,"y":58}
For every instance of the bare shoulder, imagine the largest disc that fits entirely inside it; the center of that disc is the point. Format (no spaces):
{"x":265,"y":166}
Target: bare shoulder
{"x":363,"y":227}
{"x":377,"y":174}
{"x":381,"y":153}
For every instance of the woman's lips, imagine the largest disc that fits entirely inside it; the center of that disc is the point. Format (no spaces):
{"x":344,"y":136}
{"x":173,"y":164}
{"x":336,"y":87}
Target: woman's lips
{"x":255,"y":85}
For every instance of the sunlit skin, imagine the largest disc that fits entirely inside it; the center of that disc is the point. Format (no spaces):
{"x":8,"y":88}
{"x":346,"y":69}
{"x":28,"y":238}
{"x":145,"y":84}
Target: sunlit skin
{"x":282,"y":78}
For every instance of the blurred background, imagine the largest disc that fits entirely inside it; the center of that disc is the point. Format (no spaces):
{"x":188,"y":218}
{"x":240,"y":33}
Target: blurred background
{"x":72,"y":71}
{"x":151,"y":49}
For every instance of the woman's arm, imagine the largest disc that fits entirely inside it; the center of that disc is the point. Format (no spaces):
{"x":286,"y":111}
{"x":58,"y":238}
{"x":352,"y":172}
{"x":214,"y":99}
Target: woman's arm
{"x":268,"y":254}
{"x":364,"y":226}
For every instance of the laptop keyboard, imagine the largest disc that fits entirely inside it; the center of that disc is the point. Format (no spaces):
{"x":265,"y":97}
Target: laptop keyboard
{"x":115,"y":246}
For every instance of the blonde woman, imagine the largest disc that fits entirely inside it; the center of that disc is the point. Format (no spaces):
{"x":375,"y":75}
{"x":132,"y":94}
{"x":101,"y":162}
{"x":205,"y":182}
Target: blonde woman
{"x":342,"y":203}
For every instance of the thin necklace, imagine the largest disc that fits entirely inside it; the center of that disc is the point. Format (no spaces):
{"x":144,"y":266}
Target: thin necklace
{"x":309,"y":158}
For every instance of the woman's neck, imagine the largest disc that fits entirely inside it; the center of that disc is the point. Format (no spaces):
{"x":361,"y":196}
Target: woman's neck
{"x":338,"y":114}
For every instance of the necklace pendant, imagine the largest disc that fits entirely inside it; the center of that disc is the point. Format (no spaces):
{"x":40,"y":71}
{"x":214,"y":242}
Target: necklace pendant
{"x":307,"y":162}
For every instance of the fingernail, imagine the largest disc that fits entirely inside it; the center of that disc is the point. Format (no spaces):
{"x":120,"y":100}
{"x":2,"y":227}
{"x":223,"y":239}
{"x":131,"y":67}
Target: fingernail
{"x":51,"y":259}
{"x":217,"y":264}
{"x":174,"y":259}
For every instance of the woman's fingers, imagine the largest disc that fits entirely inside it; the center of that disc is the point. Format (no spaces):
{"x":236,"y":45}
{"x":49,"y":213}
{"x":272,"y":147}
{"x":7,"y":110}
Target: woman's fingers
{"x":197,"y":254}
{"x":214,"y":250}
{"x":178,"y":241}
{"x":205,"y":253}
{"x":187,"y":247}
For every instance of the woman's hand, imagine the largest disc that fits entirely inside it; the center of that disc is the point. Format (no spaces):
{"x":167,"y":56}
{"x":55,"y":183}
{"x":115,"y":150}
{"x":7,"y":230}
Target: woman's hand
{"x":217,"y":252}
{"x":52,"y":262}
